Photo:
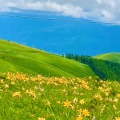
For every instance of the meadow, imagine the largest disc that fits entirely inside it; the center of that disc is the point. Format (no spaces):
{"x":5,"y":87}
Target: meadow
{"x":27,"y":97}
{"x":15,"y":57}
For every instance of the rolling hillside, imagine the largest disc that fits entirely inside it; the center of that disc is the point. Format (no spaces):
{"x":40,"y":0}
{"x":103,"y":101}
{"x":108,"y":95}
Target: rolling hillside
{"x":114,"y":57}
{"x":18,"y":58}
{"x":104,"y":69}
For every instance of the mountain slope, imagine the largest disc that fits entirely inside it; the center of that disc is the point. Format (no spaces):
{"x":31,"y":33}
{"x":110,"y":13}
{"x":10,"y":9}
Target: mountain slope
{"x":114,"y":57}
{"x":18,"y":58}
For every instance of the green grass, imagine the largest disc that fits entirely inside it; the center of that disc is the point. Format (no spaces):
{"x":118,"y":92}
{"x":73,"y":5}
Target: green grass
{"x":18,"y":58}
{"x":114,"y":57}
{"x":21,"y":98}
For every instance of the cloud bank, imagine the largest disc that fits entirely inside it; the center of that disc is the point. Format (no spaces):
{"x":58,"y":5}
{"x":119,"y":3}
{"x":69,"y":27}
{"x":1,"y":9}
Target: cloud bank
{"x":98,"y":10}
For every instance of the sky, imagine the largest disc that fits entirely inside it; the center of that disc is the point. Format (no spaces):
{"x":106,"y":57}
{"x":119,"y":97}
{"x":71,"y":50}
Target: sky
{"x":84,"y":38}
{"x":98,"y":10}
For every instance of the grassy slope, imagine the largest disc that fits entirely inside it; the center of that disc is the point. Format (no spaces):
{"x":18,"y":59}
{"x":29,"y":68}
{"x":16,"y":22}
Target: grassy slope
{"x":18,"y":58}
{"x":114,"y":57}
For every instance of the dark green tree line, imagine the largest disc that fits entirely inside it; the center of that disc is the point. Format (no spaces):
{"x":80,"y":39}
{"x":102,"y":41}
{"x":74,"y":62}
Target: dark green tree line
{"x":102,"y":68}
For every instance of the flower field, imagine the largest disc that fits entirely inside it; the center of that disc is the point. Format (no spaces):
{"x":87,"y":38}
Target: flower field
{"x":25,"y":97}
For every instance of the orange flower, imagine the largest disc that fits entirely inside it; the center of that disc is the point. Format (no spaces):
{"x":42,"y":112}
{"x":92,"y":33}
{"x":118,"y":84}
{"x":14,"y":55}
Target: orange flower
{"x":86,"y":113}
{"x":67,"y":103}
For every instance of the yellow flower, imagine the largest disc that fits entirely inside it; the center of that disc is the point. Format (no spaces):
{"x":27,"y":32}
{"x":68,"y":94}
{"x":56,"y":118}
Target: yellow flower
{"x":31,"y":93}
{"x":80,"y":111}
{"x":86,"y":113}
{"x":98,"y":96}
{"x":114,"y":107}
{"x":90,"y":77}
{"x":16,"y":94}
{"x":12,"y":83}
{"x":116,"y":100}
{"x":64,"y":91}
{"x":102,"y":109}
{"x":48,"y":103}
{"x":75,"y":88}
{"x":82,"y":102}
{"x":1,"y":81}
{"x":23,"y":88}
{"x":118,"y":95}
{"x":6,"y":86}
{"x":67,"y":103}
{"x":75,"y":100}
{"x":41,"y":118}
{"x":72,"y":107}
{"x":107,"y":93}
{"x":58,"y":102}
{"x":36,"y":88}
{"x":79,"y":118}
{"x":117,"y":118}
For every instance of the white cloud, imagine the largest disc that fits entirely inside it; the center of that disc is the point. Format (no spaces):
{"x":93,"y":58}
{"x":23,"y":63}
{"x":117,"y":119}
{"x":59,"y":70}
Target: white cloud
{"x":99,"y":10}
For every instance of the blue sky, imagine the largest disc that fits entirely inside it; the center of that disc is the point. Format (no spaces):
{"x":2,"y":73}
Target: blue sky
{"x":84,"y":38}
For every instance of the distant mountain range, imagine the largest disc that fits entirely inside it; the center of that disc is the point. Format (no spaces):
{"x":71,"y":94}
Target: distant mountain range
{"x":83,"y":38}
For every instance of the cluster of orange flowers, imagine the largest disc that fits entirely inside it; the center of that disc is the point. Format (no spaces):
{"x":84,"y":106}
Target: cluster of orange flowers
{"x":78,"y":87}
{"x":82,"y":113}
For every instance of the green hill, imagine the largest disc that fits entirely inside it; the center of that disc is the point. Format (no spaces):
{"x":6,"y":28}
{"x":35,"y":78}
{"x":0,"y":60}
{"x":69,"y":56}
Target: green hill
{"x":18,"y":58}
{"x":105,"y":69}
{"x":114,"y":57}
